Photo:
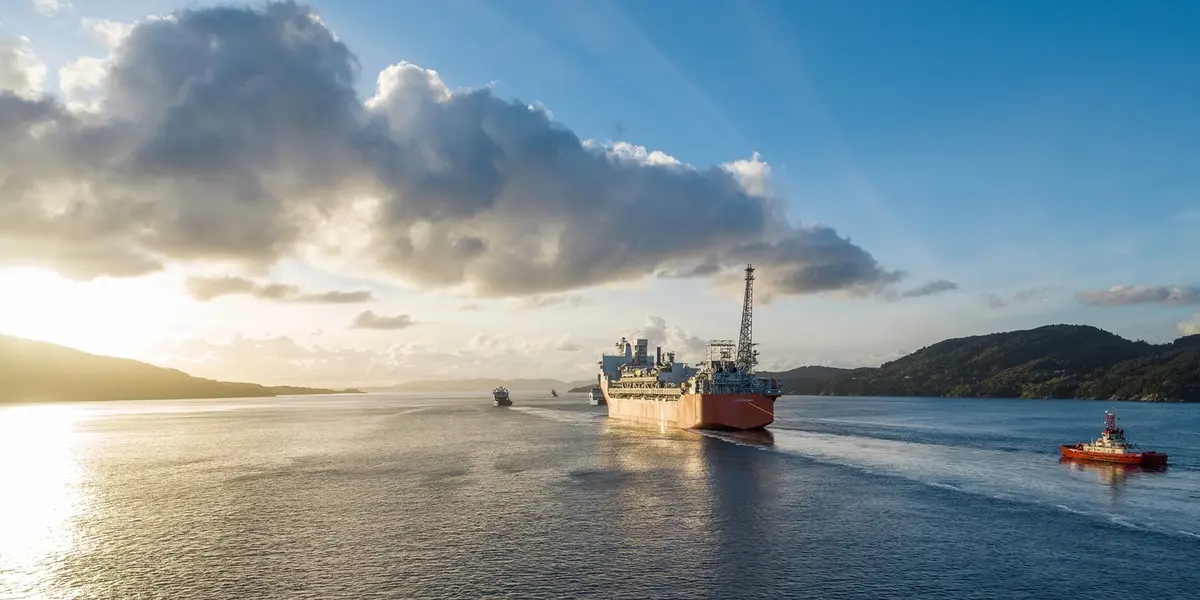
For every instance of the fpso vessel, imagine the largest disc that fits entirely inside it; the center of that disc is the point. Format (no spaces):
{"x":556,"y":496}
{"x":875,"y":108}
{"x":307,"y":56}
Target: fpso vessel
{"x":721,"y":392}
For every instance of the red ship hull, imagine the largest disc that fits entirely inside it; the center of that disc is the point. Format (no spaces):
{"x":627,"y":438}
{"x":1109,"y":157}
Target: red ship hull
{"x":696,"y":411}
{"x":1077,"y":452}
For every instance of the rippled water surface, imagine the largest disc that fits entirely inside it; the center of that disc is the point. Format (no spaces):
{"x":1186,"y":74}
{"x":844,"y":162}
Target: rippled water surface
{"x":389,"y":496}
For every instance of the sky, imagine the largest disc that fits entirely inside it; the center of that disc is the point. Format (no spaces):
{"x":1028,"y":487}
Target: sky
{"x":365,"y":193}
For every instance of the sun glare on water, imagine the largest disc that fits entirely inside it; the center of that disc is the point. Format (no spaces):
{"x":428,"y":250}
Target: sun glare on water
{"x":116,"y":317}
{"x":42,"y":497}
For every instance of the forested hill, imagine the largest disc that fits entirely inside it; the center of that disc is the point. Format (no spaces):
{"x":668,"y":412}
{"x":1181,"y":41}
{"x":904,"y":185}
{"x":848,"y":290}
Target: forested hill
{"x":32,"y":371}
{"x":1054,"y":361}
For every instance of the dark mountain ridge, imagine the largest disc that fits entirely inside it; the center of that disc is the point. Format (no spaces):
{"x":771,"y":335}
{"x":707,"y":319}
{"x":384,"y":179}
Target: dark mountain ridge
{"x":33,"y":371}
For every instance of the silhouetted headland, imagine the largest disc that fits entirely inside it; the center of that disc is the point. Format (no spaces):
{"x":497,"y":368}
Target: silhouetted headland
{"x":33,"y":371}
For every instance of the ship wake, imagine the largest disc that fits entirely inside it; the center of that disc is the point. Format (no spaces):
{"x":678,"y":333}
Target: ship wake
{"x":1015,"y":477}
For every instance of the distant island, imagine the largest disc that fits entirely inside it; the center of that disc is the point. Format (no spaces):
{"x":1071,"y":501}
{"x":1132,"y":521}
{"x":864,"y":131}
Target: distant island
{"x":1054,"y":361}
{"x":33,"y":371}
{"x":542,"y":386}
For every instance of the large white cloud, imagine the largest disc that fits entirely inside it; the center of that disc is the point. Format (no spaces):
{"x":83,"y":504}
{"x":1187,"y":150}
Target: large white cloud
{"x":236,"y":134}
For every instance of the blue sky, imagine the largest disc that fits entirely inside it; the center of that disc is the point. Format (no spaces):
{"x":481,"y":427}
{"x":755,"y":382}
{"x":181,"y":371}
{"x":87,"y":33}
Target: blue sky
{"x":951,"y":135}
{"x":1008,"y":147}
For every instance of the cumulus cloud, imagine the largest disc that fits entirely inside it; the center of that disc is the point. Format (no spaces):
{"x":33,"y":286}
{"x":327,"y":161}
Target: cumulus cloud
{"x":687,"y":347}
{"x":1190,"y":326}
{"x":205,"y":289}
{"x":21,"y":73}
{"x":106,"y":31}
{"x":1129,"y":295}
{"x":231,"y":133}
{"x":369,"y":320}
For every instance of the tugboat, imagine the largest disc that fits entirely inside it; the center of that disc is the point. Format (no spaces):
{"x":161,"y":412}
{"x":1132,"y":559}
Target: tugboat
{"x":500,"y":397}
{"x":596,"y":397}
{"x":1112,"y":447}
{"x":553,"y":393}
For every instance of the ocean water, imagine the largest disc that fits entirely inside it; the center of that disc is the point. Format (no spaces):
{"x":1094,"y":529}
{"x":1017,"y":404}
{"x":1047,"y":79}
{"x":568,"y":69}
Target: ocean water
{"x":402,"y":496}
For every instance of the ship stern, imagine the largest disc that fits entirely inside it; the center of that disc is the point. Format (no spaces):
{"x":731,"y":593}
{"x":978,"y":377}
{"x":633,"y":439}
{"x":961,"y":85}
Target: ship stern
{"x":730,"y":412}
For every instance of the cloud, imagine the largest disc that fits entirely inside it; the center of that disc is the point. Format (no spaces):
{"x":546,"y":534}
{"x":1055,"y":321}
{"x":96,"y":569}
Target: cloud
{"x":232,"y":133}
{"x":469,"y":306}
{"x":106,"y":31}
{"x":283,"y":360}
{"x":1190,"y":326}
{"x":1129,"y":295}
{"x":50,"y":7}
{"x":706,"y":269}
{"x":369,"y":320}
{"x":1021,"y":297}
{"x":205,"y":289}
{"x":21,"y":73}
{"x":931,"y":288}
{"x":688,"y":347}
{"x":569,"y":346}
{"x":532,"y":302}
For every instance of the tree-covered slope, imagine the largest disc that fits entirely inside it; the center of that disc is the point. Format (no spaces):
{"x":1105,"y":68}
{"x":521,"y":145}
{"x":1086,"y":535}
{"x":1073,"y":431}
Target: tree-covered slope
{"x":1056,"y":361}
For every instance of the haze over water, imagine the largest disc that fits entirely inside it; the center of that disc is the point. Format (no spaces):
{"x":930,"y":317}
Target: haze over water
{"x":395,"y":496}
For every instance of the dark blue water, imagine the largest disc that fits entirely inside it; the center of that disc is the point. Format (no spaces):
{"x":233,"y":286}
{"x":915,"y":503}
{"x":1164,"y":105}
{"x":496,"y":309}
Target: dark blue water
{"x":409,"y":497}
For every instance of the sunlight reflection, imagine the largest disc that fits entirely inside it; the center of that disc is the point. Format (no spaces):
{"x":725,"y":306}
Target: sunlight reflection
{"x":682,"y":446}
{"x":41,"y":480}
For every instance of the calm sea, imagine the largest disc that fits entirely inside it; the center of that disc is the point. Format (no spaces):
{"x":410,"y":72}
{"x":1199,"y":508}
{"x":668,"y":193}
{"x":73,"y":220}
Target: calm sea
{"x":388,"y":496}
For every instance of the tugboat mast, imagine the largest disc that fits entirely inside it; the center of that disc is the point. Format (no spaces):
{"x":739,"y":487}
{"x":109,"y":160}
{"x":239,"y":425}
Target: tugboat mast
{"x":747,"y":356}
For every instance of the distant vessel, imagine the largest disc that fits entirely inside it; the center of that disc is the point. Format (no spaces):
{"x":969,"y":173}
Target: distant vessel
{"x":553,"y":393}
{"x":596,"y":397}
{"x":1111,"y":446}
{"x":720,"y":393}
{"x":500,"y":397}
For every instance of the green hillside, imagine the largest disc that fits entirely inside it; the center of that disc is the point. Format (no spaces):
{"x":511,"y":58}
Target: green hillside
{"x":1055,"y":361}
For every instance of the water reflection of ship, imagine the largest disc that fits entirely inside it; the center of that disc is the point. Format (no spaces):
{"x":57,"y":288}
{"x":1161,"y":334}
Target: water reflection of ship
{"x":1112,"y":474}
{"x":763,"y":438}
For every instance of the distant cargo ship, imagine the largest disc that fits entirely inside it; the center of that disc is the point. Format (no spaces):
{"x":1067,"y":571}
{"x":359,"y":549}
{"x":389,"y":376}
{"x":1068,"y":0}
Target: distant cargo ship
{"x":1112,"y":447}
{"x":721,"y":392}
{"x":500,"y":397}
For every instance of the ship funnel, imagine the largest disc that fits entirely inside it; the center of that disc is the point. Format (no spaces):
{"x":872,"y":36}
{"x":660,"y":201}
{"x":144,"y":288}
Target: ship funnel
{"x":658,"y":355}
{"x":640,"y":351}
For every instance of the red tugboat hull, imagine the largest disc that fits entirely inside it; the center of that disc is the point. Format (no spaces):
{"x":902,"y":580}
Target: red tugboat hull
{"x":1150,"y":459}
